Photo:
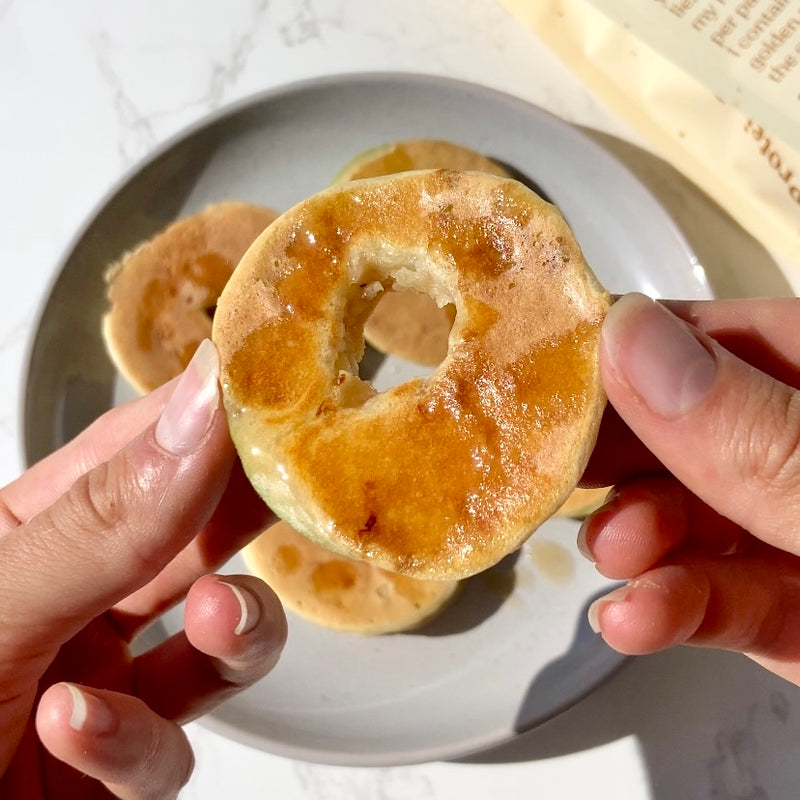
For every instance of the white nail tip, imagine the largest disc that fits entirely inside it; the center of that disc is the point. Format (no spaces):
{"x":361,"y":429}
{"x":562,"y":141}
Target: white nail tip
{"x":77,"y":718}
{"x":242,"y":624}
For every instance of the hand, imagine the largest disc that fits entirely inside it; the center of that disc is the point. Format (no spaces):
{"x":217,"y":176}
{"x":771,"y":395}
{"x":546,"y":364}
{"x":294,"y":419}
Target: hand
{"x":704,"y":521}
{"x":95,"y":542}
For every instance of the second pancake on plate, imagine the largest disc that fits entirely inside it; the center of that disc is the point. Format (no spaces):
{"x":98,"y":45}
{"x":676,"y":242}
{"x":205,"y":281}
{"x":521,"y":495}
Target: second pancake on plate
{"x":409,"y":324}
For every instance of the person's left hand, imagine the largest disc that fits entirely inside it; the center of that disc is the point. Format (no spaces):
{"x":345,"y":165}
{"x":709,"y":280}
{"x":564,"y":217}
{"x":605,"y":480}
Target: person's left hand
{"x":95,"y":542}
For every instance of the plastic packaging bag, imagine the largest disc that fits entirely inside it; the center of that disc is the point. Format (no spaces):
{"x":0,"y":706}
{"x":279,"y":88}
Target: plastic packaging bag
{"x":715,"y":142}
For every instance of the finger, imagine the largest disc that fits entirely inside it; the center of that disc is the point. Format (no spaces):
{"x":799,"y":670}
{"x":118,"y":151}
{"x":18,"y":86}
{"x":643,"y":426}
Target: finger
{"x":618,"y":454}
{"x":661,"y":608}
{"x":119,"y":524}
{"x":234,"y":631}
{"x":240,"y":516}
{"x":726,"y":430}
{"x":633,"y":530}
{"x":760,"y":332}
{"x":746,"y":603}
{"x":116,"y":739}
{"x":645,"y":520}
{"x":46,"y":481}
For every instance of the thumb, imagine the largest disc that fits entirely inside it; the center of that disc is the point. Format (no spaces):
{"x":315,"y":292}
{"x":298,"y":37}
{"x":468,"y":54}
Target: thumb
{"x":726,"y":430}
{"x":117,"y":525}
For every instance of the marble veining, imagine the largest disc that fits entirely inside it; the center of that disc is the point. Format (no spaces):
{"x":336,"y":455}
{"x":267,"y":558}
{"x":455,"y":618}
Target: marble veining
{"x":311,"y":21}
{"x":137,"y":137}
{"x":331,"y":783}
{"x":141,"y":123}
{"x":143,"y":71}
{"x":738,"y":769}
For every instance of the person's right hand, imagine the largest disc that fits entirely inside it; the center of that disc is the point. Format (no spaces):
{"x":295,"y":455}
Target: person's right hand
{"x":703,"y":446}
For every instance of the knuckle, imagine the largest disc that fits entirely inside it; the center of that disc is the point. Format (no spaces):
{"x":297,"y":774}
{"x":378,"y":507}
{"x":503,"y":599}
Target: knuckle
{"x":166,"y":762}
{"x":766,"y":439}
{"x":98,"y":499}
{"x":106,"y":506}
{"x":781,"y":464}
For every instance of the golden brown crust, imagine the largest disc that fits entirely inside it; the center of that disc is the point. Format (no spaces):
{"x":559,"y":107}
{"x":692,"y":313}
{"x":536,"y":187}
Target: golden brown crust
{"x":164,"y":292}
{"x":441,"y":477}
{"x":410,"y":324}
{"x":340,"y":593}
{"x":414,"y":154}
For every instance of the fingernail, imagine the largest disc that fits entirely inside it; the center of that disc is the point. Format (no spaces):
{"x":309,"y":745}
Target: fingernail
{"x":249,"y":609}
{"x":189,"y":411}
{"x":583,"y":531}
{"x":583,"y":546}
{"x":596,"y":608}
{"x":89,"y":713}
{"x":657,"y":355}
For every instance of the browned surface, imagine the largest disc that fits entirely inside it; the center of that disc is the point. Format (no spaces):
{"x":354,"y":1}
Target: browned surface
{"x":445,"y":455}
{"x":164,"y":293}
{"x":339,"y":593}
{"x":418,"y":154}
{"x":438,"y":477}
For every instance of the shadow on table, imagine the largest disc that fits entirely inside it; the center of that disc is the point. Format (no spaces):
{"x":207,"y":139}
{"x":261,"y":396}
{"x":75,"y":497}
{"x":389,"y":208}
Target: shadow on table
{"x":692,"y":711}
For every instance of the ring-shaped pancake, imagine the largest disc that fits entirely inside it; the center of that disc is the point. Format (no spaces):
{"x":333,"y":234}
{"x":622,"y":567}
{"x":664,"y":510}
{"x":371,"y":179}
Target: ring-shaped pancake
{"x":409,"y":324}
{"x":438,"y":477}
{"x":416,"y":154}
{"x":164,"y":292}
{"x":340,"y":593}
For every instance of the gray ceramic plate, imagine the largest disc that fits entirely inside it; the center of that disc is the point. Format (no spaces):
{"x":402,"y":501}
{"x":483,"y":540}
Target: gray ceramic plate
{"x":514,"y":649}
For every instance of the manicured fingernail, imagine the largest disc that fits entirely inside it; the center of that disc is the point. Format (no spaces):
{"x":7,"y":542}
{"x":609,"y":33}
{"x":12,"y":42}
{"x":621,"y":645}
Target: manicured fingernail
{"x":89,"y":713}
{"x":249,"y":609}
{"x":189,"y":411}
{"x":657,"y":355}
{"x":597,"y":607}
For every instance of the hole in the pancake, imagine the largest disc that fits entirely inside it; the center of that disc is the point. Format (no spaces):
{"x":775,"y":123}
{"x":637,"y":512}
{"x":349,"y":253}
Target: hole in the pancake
{"x":393,"y":329}
{"x":407,"y":336}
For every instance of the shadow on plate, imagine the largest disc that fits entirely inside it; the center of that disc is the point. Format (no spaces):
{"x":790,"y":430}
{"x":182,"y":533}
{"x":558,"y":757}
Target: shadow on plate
{"x":523,"y":178}
{"x":736,"y":264}
{"x":370,"y":363}
{"x":694,"y":712}
{"x":582,"y":651}
{"x":478,"y":599}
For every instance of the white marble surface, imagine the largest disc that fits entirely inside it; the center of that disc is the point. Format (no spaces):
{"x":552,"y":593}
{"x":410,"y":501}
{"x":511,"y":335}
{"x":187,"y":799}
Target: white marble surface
{"x":91,"y":86}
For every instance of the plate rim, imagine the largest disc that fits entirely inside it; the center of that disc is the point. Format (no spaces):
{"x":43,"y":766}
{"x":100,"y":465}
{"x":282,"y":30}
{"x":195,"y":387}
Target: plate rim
{"x":453,"y":750}
{"x":270,"y":94}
